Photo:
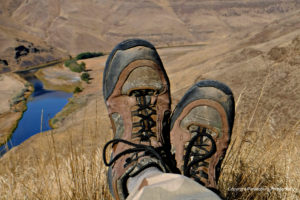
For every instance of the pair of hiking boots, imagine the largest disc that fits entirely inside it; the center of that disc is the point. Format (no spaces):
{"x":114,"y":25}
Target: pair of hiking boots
{"x":192,"y":140}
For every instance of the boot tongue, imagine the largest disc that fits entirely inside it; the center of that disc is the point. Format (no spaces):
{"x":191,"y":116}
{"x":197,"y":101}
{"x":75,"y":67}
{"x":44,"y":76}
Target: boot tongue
{"x":148,"y":99}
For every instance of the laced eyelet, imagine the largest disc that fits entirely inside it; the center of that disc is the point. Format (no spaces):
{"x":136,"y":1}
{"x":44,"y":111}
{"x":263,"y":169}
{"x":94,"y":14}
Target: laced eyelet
{"x":201,"y":147}
{"x":145,"y":111}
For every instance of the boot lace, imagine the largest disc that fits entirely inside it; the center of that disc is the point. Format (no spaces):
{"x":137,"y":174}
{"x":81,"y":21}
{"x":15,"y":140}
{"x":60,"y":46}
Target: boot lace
{"x":144,"y":111}
{"x":200,"y":148}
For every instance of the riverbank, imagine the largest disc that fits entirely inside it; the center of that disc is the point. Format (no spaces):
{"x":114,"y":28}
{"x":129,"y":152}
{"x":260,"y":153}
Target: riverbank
{"x":14,"y":94}
{"x":59,"y":77}
{"x":15,"y":91}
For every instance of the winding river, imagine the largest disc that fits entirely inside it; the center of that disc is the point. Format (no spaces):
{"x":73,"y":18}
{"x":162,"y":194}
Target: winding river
{"x":42,"y":105}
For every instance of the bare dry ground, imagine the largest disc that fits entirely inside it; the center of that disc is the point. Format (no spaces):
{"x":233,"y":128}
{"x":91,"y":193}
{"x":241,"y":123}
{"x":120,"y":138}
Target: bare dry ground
{"x":13,"y":91}
{"x":253,"y":47}
{"x":59,"y":77}
{"x":9,"y":87}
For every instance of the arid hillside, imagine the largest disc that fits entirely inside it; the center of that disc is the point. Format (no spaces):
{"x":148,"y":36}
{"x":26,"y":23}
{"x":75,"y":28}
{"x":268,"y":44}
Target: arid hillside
{"x":252,"y":46}
{"x":263,"y":71}
{"x":37,"y":31}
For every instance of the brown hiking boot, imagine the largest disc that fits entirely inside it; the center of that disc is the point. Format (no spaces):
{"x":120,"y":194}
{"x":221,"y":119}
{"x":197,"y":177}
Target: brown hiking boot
{"x":137,"y":96}
{"x":201,"y":126}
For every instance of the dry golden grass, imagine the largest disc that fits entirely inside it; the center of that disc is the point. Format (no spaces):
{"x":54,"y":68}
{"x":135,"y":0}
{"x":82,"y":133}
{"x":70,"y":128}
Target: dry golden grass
{"x":76,"y":177}
{"x":75,"y":171}
{"x":261,"y":163}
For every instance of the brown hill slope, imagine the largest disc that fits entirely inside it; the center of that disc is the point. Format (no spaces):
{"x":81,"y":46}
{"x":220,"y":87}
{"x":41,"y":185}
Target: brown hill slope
{"x":74,"y":26}
{"x":20,"y":48}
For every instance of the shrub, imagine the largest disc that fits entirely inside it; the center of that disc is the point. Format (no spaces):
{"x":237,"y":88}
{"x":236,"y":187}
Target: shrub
{"x":82,"y":65}
{"x":86,"y":55}
{"x":85,"y":77}
{"x":69,"y":62}
{"x":75,"y":67}
{"x":54,"y":121}
{"x":77,"y":90}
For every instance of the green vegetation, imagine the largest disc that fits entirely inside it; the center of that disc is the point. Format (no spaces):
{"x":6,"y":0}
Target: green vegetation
{"x":69,"y":62}
{"x":74,"y":66}
{"x":85,"y":77}
{"x":76,"y":90}
{"x":86,"y":55}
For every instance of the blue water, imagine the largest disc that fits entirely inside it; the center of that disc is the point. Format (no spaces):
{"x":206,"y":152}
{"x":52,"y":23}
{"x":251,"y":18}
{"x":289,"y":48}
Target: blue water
{"x":50,"y":101}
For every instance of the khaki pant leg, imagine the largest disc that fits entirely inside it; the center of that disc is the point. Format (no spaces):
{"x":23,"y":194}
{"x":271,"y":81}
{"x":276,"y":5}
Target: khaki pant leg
{"x":168,"y":186}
